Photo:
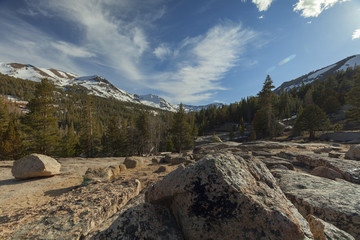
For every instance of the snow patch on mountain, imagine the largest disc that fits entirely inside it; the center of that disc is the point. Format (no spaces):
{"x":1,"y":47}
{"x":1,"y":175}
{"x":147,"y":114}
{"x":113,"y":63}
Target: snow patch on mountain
{"x":355,"y":61}
{"x":320,"y":72}
{"x":157,"y":102}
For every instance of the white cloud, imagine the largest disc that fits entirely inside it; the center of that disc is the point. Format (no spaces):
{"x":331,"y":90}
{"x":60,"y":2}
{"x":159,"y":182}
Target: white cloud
{"x":72,"y":50}
{"x":206,"y":59}
{"x":262,"y":5}
{"x":356,"y":34}
{"x":113,"y":32}
{"x":313,"y":8}
{"x":261,"y":17}
{"x":162,"y":51}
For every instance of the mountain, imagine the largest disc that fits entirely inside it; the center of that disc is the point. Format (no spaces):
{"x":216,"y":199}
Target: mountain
{"x":321,"y":74}
{"x":192,"y":108}
{"x":156,"y":101}
{"x":96,"y":85}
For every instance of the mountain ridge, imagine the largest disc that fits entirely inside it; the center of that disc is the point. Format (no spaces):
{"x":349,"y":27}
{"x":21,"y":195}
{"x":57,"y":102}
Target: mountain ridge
{"x":320,"y":74}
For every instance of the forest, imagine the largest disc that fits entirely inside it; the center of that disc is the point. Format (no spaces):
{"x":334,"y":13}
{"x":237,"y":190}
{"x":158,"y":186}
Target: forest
{"x":68,"y":122}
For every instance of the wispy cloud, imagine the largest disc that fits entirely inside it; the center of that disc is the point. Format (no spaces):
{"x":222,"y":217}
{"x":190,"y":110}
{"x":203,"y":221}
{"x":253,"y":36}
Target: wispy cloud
{"x":206,"y":59}
{"x":313,"y":8}
{"x":162,"y":51}
{"x":287,"y":59}
{"x":356,"y":34}
{"x":261,"y":17}
{"x":72,"y":50}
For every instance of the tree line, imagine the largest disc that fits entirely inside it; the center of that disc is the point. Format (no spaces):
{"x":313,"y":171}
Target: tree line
{"x":311,"y":104}
{"x":70,"y":123}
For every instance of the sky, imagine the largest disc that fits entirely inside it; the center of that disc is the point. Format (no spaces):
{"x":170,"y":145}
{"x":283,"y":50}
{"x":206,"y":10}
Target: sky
{"x":194,"y":52}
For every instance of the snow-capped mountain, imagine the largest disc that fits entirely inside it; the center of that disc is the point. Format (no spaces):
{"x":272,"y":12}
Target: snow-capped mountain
{"x":192,"y":108}
{"x":321,"y":74}
{"x":96,"y":85}
{"x":156,"y":101}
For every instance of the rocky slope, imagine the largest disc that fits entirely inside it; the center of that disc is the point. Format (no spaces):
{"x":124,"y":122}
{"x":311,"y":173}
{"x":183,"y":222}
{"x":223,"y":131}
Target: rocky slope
{"x":258,"y":190}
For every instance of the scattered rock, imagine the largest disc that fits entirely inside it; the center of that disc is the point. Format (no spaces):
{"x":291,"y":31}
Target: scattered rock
{"x":144,"y":221}
{"x":35,"y":165}
{"x":74,"y":214}
{"x":348,"y":168}
{"x":134,"y":162}
{"x":334,"y":155}
{"x":286,"y":155}
{"x":122,"y":167}
{"x":323,"y":150}
{"x":326,"y":172}
{"x":103,"y":173}
{"x":95,"y":173}
{"x":271,"y":162}
{"x":336,"y":202}
{"x":166,"y":159}
{"x":353,"y":153}
{"x":155,"y":161}
{"x":161,"y":169}
{"x":178,"y":160}
{"x":224,"y":196}
{"x":326,"y":231}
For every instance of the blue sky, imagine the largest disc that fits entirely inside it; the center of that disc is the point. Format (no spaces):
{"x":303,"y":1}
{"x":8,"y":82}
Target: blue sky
{"x":195,"y":52}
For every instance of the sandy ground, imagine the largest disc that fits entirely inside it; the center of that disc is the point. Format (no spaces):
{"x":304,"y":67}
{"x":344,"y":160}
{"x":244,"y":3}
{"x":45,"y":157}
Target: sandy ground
{"x":18,"y":195}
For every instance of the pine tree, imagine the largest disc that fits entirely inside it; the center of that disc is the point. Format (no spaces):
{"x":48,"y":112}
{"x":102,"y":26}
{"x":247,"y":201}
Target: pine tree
{"x":181,"y":131}
{"x":264,"y":120}
{"x":69,"y":142}
{"x":311,"y":119}
{"x":241,"y":127}
{"x":42,"y":121}
{"x":4,"y":115}
{"x":11,"y":143}
{"x":353,"y":98}
{"x":89,"y":129}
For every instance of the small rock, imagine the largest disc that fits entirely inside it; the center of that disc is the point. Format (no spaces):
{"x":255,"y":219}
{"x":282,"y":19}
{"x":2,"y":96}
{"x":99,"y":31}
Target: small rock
{"x":35,"y":165}
{"x":155,"y":161}
{"x":122,"y":167}
{"x":98,"y":173}
{"x":166,"y":159}
{"x":334,"y":155}
{"x":323,"y":230}
{"x":326,"y":172}
{"x":178,"y":160}
{"x":161,"y":169}
{"x":134,"y":162}
{"x":353,"y":153}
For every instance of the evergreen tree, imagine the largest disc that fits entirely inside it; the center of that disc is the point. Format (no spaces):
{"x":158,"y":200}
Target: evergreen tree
{"x":69,"y":142}
{"x":144,"y":133}
{"x":4,"y":116}
{"x":311,"y":119}
{"x":353,"y":98}
{"x":241,"y":127}
{"x":42,"y":121}
{"x":11,"y":143}
{"x":89,"y":131}
{"x":181,"y":131}
{"x":264,"y":121}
